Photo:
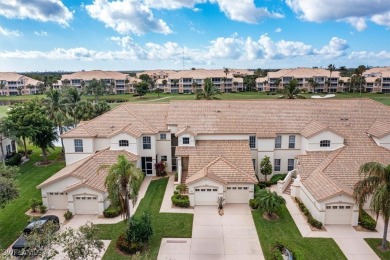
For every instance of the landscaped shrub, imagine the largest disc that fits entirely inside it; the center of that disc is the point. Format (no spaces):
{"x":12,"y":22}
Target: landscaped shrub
{"x":277,"y":177}
{"x":42,"y":208}
{"x":34,"y":204}
{"x":366,"y":220}
{"x":68,"y":215}
{"x":112,"y":212}
{"x":14,"y":160}
{"x":253,"y":203}
{"x":127,"y":247}
{"x":161,"y":168}
{"x":181,"y":188}
{"x":263,"y":184}
{"x":139,"y":230}
{"x":312,"y":221}
{"x":176,"y":176}
{"x":182,"y":201}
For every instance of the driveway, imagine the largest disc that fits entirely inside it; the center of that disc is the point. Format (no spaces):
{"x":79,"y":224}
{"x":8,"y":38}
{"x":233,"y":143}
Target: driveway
{"x":231,"y":236}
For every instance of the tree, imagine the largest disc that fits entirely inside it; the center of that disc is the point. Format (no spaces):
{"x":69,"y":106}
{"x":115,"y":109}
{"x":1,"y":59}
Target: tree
{"x":96,"y":88}
{"x":139,"y":230}
{"x":266,"y":167}
{"x":194,"y":87}
{"x":122,"y":183}
{"x":83,"y":111}
{"x":56,"y":106}
{"x":226,"y":71}
{"x":277,"y":83}
{"x":313,"y":84}
{"x":291,"y":90}
{"x":142,"y":88}
{"x":165,"y":83}
{"x":8,"y":171}
{"x":331,"y":68}
{"x":8,"y":190}
{"x":376,"y":183}
{"x":269,"y":201}
{"x":209,"y":92}
{"x":145,"y":78}
{"x":100,"y":108}
{"x":73,"y":97}
{"x":250,"y":82}
{"x":2,"y":87}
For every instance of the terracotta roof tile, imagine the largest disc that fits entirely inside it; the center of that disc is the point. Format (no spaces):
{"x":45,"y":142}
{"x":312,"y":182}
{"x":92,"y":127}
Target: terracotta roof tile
{"x":379,"y":129}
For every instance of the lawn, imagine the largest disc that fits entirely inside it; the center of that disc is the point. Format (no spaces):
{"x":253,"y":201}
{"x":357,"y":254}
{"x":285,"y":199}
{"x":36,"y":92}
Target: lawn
{"x":164,"y":224}
{"x":12,"y":217}
{"x":286,"y":232}
{"x":374,"y":243}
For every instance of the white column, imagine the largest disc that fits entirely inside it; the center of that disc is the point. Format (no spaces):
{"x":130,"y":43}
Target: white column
{"x":179,"y":170}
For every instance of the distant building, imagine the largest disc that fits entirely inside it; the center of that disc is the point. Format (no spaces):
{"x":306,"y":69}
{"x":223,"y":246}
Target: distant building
{"x":12,"y":84}
{"x":377,"y":80}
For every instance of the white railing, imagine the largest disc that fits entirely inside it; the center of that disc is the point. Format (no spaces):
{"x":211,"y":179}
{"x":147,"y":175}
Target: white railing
{"x":282,"y":184}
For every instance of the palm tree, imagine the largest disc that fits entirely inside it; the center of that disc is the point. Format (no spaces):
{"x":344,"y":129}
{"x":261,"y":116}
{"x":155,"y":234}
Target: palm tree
{"x":194,"y":86}
{"x":209,"y":92}
{"x":56,"y":109}
{"x":313,"y":84}
{"x":73,"y":97}
{"x":277,"y":83}
{"x":376,"y":183}
{"x":291,"y":90}
{"x":226,"y":71}
{"x":269,"y":201}
{"x":235,"y":83}
{"x":123,"y":182}
{"x":331,"y":68}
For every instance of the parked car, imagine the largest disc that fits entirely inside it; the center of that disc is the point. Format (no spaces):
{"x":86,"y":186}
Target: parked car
{"x":19,"y":248}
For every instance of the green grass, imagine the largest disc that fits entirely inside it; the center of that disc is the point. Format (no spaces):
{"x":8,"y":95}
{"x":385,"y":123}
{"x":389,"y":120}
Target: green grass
{"x":286,"y":232}
{"x":12,"y":217}
{"x":374,"y":243}
{"x":164,"y":224}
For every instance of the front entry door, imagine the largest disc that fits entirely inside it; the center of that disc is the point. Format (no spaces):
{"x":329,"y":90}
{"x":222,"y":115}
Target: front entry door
{"x":147,"y":165}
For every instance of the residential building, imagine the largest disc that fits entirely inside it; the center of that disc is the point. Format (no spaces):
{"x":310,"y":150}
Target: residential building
{"x":377,"y":80}
{"x":8,"y":146}
{"x":119,"y":82}
{"x":13,"y":84}
{"x":216,"y":148}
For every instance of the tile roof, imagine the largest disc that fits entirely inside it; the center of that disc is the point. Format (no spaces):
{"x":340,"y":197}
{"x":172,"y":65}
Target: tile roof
{"x":90,"y":170}
{"x":379,"y":129}
{"x":135,"y":119}
{"x":221,"y":158}
{"x":314,"y":128}
{"x":185,"y":130}
{"x":95,"y":74}
{"x":11,"y":76}
{"x":302,"y":73}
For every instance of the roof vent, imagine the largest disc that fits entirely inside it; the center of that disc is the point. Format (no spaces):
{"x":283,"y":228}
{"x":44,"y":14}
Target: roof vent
{"x":344,"y":118}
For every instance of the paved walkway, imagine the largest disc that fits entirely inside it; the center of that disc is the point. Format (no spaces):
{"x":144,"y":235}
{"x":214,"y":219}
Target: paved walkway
{"x":350,"y":241}
{"x":166,"y":205}
{"x":227,"y":237}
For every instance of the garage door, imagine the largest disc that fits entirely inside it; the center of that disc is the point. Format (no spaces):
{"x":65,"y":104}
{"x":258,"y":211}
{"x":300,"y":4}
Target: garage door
{"x":57,"y":200}
{"x":206,"y":196}
{"x":237,"y":194}
{"x":338,"y":214}
{"x":86,"y":204}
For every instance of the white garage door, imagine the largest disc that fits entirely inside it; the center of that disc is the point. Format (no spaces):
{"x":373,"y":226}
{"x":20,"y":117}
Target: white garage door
{"x":338,"y":214}
{"x":206,"y":196}
{"x":57,"y":200}
{"x":237,"y":194}
{"x":86,"y":204}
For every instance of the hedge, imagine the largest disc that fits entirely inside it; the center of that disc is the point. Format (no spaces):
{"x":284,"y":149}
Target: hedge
{"x":366,"y":220}
{"x":14,"y":160}
{"x":253,"y":203}
{"x":112,"y":212}
{"x":312,"y":221}
{"x":277,"y":177}
{"x":182,"y":201}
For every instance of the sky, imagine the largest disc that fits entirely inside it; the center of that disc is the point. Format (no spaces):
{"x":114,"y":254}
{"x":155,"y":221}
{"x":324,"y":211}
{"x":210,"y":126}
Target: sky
{"x":69,"y":35}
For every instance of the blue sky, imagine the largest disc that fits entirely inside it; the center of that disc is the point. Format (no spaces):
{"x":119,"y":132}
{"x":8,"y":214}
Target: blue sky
{"x":51,"y":35}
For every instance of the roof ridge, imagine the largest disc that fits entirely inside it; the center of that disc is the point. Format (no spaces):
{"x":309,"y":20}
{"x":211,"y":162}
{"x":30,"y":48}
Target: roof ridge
{"x":141,"y":120}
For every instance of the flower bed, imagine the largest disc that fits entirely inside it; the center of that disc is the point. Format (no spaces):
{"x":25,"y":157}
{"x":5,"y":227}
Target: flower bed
{"x":312,"y":221}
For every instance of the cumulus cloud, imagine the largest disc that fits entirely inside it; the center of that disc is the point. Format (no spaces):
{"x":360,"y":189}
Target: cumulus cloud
{"x":352,"y":11}
{"x":364,"y":55}
{"x":245,"y":11}
{"x":127,"y":16}
{"x":41,"y":10}
{"x":335,"y":48}
{"x":172,"y":4}
{"x":11,"y":33}
{"x":41,"y":33}
{"x":382,"y":19}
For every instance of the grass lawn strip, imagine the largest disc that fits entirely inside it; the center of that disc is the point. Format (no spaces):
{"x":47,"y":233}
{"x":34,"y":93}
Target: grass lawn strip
{"x":12,"y":217}
{"x":286,"y":232}
{"x":374,"y":243}
{"x":164,"y":224}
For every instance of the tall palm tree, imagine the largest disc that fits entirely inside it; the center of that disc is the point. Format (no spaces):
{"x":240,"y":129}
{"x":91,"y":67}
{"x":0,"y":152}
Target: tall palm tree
{"x":277,"y":83}
{"x":331,"y":68}
{"x":226,"y":71}
{"x":123,"y":182}
{"x":313,"y":84}
{"x":291,"y":90}
{"x":209,"y":92}
{"x":194,"y":87}
{"x":376,"y":183}
{"x":73,"y":98}
{"x":56,"y":109}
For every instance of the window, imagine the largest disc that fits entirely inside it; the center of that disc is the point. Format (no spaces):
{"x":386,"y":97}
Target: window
{"x":278,"y":141}
{"x":334,"y":207}
{"x":245,"y":188}
{"x":291,"y":141}
{"x":164,"y":158}
{"x":252,"y":141}
{"x":341,"y":207}
{"x":78,"y":145}
{"x":229,"y":188}
{"x":328,"y":207}
{"x":147,"y":165}
{"x":8,"y":149}
{"x":163,"y":136}
{"x":123,"y":142}
{"x":254,"y":163}
{"x":147,"y":143}
{"x":325,"y":143}
{"x":290,"y":165}
{"x":277,"y":165}
{"x":13,"y":146}
{"x":186,"y":140}
{"x":348,"y":207}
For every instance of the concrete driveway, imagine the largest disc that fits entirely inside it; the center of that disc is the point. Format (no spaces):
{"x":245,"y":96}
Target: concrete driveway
{"x":231,"y":236}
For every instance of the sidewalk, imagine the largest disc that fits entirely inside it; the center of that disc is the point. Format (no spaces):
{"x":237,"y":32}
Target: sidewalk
{"x":166,"y":205}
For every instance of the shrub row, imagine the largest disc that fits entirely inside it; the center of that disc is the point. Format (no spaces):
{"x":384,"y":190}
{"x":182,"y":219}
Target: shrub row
{"x":277,"y":177}
{"x":182,"y":201}
{"x":366,"y":220}
{"x":112,"y":212}
{"x":14,"y":160}
{"x":312,"y":221}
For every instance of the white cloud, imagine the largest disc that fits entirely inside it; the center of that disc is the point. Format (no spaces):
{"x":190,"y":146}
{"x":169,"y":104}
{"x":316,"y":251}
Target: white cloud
{"x":41,"y":10}
{"x":364,"y":55}
{"x":382,"y":19}
{"x":278,"y":30}
{"x":41,"y":33}
{"x":245,"y":11}
{"x":11,"y":33}
{"x":222,"y":48}
{"x":335,"y":48}
{"x":352,"y":11}
{"x":283,"y":49}
{"x":172,"y":4}
{"x":127,"y":16}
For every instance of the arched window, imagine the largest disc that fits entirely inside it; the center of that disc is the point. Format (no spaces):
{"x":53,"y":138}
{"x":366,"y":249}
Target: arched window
{"x":325,"y":143}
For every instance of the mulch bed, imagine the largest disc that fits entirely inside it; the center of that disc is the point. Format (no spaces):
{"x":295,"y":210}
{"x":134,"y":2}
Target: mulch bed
{"x":273,"y":216}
